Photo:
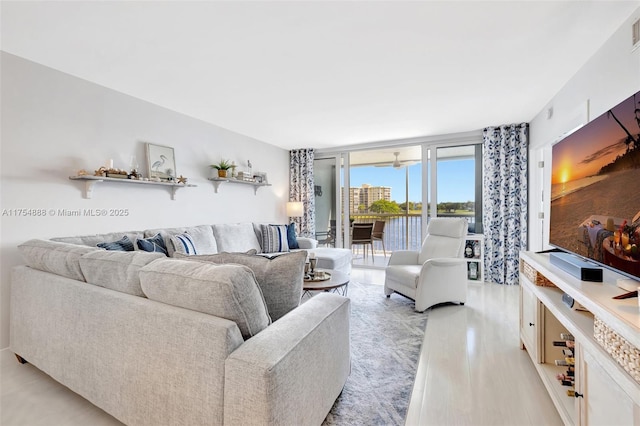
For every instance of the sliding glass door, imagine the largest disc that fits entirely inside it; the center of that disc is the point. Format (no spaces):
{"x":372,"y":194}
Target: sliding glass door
{"x":402,"y":187}
{"x":386,"y":186}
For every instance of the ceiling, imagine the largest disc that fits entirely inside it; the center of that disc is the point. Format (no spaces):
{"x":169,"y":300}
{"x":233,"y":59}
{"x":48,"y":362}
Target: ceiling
{"x":323,"y":74}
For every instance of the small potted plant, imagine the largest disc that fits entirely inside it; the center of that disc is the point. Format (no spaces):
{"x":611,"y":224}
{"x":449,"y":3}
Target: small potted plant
{"x":222,"y":167}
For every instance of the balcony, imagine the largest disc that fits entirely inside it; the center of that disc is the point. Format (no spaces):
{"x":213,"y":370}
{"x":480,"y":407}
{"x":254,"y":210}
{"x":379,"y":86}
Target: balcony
{"x":399,"y":229}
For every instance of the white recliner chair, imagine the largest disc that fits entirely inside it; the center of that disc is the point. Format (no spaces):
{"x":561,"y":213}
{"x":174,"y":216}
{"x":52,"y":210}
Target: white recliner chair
{"x":435,"y":274}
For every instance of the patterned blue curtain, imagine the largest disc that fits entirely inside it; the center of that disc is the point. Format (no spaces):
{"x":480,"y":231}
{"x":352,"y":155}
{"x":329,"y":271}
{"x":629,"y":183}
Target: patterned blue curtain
{"x":504,"y":198}
{"x":301,"y":189}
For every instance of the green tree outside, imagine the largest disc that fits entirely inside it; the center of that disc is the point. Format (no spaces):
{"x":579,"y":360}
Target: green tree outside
{"x":384,"y":206}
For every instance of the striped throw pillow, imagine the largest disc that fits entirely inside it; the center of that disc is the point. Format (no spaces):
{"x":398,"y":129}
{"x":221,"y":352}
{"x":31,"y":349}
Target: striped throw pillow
{"x":183,"y":243}
{"x":274,"y":238}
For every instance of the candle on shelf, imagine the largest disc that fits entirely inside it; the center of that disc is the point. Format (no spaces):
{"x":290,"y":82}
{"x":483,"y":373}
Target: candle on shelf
{"x":110,"y":163}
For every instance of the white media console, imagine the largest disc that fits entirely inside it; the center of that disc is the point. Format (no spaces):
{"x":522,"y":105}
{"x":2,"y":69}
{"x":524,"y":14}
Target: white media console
{"x":605,"y":359}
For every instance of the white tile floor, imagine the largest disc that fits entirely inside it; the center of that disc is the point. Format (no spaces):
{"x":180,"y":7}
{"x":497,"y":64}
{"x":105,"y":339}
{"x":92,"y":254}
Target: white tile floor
{"x":471,"y":372}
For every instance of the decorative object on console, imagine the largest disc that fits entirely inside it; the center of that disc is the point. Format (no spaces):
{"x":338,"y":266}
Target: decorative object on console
{"x":161,"y":162}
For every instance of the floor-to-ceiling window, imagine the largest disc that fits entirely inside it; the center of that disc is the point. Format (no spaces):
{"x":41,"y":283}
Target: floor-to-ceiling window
{"x":404,"y":186}
{"x":458,"y":182}
{"x":386,"y":186}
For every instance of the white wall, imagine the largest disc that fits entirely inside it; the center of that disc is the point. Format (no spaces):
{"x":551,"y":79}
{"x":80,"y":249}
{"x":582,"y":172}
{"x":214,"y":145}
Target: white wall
{"x":610,"y":76}
{"x":54,"y":124}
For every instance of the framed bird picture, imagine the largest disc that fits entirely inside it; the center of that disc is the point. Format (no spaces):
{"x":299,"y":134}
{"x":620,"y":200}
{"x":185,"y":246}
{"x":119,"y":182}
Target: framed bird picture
{"x":161,"y":162}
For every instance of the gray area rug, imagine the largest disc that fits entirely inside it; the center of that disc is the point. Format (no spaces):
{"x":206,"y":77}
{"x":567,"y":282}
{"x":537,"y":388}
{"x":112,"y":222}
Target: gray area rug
{"x":386,"y":337}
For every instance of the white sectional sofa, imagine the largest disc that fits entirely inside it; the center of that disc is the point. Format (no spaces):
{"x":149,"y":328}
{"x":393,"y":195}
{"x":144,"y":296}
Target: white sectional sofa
{"x":213,"y":339}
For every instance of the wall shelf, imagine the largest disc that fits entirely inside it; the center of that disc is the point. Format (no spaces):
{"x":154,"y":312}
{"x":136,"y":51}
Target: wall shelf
{"x":91,"y":181}
{"x":217,"y":181}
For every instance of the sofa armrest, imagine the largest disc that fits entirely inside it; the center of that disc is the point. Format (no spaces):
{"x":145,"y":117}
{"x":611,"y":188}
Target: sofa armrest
{"x":292,"y":372}
{"x":403,"y":257}
{"x":307,"y":243}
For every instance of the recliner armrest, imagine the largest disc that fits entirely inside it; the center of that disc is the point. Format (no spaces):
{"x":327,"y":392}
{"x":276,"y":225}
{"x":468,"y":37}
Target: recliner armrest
{"x":404,"y":257}
{"x":444,"y":261}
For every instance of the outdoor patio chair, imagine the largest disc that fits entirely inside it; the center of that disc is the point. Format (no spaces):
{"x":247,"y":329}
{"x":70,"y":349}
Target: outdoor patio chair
{"x":378,"y":234}
{"x":435,"y":274}
{"x":361,"y":235}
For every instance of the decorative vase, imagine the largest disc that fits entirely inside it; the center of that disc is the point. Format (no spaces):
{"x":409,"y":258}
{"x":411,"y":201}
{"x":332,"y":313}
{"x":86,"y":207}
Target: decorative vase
{"x":222,"y":173}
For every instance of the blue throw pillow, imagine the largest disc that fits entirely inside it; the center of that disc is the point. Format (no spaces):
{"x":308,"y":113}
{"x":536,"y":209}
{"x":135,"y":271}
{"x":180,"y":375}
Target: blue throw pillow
{"x":153,"y":244}
{"x":291,"y":236}
{"x":123,"y":244}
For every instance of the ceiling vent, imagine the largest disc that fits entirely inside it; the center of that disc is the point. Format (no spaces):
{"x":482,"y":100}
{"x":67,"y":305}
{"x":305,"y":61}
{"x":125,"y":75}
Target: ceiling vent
{"x":635,"y":30}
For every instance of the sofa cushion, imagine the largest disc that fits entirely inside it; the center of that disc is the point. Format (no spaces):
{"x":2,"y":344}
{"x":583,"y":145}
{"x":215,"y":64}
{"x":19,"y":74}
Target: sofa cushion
{"x":226,"y":291}
{"x":153,"y":244}
{"x":116,"y":270}
{"x":236,"y":237}
{"x":123,"y":244}
{"x":56,"y":257}
{"x":279,"y":277}
{"x":274,"y":238}
{"x":202,"y":236}
{"x":333,"y":258}
{"x":94,"y":240}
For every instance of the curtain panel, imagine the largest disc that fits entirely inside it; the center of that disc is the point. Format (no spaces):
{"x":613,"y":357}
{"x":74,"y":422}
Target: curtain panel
{"x":301,"y":189}
{"x":504,"y":197}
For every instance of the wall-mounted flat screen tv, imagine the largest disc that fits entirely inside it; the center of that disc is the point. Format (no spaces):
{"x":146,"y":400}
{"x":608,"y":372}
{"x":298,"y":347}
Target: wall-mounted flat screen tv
{"x":595,"y":189}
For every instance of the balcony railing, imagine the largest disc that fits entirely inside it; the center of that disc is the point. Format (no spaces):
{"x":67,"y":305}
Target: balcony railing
{"x":402,"y":231}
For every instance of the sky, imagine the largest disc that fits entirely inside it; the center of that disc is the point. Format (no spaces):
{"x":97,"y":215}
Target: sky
{"x":585,"y":151}
{"x":455,"y":180}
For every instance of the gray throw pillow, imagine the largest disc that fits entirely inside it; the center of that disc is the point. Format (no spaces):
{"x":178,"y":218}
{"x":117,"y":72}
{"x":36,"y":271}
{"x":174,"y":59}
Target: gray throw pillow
{"x":279,"y":277}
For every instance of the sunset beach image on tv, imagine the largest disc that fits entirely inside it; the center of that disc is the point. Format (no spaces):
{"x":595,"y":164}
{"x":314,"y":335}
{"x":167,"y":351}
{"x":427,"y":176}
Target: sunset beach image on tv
{"x":595,"y":189}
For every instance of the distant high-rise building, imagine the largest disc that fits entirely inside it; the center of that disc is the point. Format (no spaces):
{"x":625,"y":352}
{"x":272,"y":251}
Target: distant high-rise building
{"x":366,"y":195}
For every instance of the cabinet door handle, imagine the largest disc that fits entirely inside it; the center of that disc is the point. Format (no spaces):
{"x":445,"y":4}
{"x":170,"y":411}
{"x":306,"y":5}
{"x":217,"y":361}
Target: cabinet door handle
{"x":531,"y":324}
{"x":578,"y":395}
